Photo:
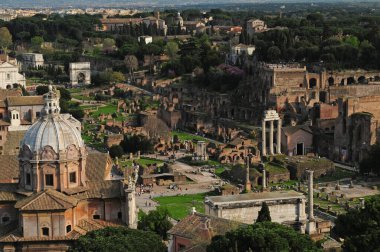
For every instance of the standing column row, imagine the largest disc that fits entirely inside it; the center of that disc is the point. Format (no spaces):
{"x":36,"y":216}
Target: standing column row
{"x":271,"y":132}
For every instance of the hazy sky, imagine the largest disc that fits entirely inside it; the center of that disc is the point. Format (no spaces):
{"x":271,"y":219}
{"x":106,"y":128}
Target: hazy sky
{"x":147,"y":3}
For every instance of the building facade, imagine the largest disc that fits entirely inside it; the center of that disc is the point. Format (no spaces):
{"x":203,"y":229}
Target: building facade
{"x":60,"y":190}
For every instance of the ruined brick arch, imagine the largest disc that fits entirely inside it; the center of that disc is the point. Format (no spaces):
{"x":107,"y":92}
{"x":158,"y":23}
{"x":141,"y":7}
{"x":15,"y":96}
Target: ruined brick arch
{"x":330,"y":81}
{"x":362,"y":80}
{"x":351,"y":80}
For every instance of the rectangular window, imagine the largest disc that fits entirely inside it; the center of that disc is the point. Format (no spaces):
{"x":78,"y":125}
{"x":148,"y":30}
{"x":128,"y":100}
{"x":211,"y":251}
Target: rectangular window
{"x":45,"y":231}
{"x":96,"y":217}
{"x":8,"y":76}
{"x":49,"y":180}
{"x":73,"y":177}
{"x":28,"y":179}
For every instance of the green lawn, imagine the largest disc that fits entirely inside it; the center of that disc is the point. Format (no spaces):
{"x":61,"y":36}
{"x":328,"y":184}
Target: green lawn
{"x":82,"y":97}
{"x":184,"y":136}
{"x":180,"y":206}
{"x":109,"y":109}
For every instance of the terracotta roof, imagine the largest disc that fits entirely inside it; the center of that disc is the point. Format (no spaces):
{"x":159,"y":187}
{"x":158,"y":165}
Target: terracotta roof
{"x":12,"y":144}
{"x":9,"y":170}
{"x":8,"y":196}
{"x":97,"y":165}
{"x":201,"y":228}
{"x":293,"y":129}
{"x":46,"y":200}
{"x":4,"y":123}
{"x":101,"y":189}
{"x":4,"y":93}
{"x":25,"y":100}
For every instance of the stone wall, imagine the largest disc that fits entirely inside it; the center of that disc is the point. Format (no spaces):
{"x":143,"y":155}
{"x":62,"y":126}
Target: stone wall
{"x":286,"y":212}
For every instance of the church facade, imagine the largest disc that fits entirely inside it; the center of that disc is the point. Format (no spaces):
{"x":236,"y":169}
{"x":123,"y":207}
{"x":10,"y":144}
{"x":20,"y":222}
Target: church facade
{"x":63,"y":190}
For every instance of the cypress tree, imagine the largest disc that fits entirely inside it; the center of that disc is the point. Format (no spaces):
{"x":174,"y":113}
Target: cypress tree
{"x":264,"y":213}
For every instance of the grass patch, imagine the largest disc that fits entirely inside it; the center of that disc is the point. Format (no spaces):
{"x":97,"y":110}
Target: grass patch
{"x":184,"y":136}
{"x":336,"y":175}
{"x":180,"y":206}
{"x":109,"y":109}
{"x":143,"y":162}
{"x":275,"y":168}
{"x":82,"y":97}
{"x":219,"y":171}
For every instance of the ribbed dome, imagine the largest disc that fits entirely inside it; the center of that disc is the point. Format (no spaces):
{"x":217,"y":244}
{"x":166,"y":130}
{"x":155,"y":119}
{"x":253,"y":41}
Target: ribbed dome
{"x":52,"y":131}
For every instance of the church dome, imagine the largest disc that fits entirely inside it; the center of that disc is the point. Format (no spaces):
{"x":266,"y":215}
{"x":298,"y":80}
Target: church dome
{"x":52,"y":129}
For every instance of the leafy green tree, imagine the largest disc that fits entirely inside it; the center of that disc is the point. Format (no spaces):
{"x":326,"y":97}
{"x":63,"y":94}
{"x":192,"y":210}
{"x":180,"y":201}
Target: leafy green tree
{"x":36,"y":42}
{"x":119,"y":239}
{"x":171,"y":50}
{"x":117,"y":77}
{"x":262,"y":237}
{"x":5,"y":39}
{"x":108,"y":43}
{"x":156,"y":221}
{"x":273,"y":53}
{"x":264,"y":213}
{"x":360,"y":229}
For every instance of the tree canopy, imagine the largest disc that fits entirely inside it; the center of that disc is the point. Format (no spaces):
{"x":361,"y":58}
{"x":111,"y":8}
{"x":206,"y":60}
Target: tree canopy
{"x":156,"y":221}
{"x":260,"y":237}
{"x":119,"y":239}
{"x":371,"y":164}
{"x":360,"y":229}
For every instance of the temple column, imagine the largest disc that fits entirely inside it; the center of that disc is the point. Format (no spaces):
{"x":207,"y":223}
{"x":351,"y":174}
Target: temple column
{"x":271,"y":138}
{"x":311,"y":196}
{"x":264,"y":147}
{"x":279,"y":122}
{"x":264,"y":182}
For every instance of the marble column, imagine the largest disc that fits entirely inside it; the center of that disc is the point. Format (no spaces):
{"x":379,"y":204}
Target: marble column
{"x":279,"y":122}
{"x":264,"y":147}
{"x":271,"y":138}
{"x":311,"y":198}
{"x":264,"y":182}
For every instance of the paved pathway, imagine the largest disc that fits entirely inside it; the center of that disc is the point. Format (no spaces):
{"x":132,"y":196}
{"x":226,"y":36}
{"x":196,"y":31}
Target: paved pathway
{"x":346,"y":167}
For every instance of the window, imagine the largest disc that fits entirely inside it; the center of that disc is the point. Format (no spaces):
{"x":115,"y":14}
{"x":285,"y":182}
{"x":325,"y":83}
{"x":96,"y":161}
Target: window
{"x":68,"y":228}
{"x":73,"y":177}
{"x":38,"y":114}
{"x":49,"y":180}
{"x":96,"y":217}
{"x":28,"y":179}
{"x":8,"y":76}
{"x":45,"y":231}
{"x":119,"y":215}
{"x":5,"y":219}
{"x":1,"y":137}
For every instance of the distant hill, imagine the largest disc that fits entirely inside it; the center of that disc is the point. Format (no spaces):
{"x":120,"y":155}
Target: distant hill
{"x":141,"y":3}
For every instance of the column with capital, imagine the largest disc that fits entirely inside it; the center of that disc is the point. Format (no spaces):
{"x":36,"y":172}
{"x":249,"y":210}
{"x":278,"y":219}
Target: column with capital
{"x":279,"y":122}
{"x":263,"y":143}
{"x":271,"y":138}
